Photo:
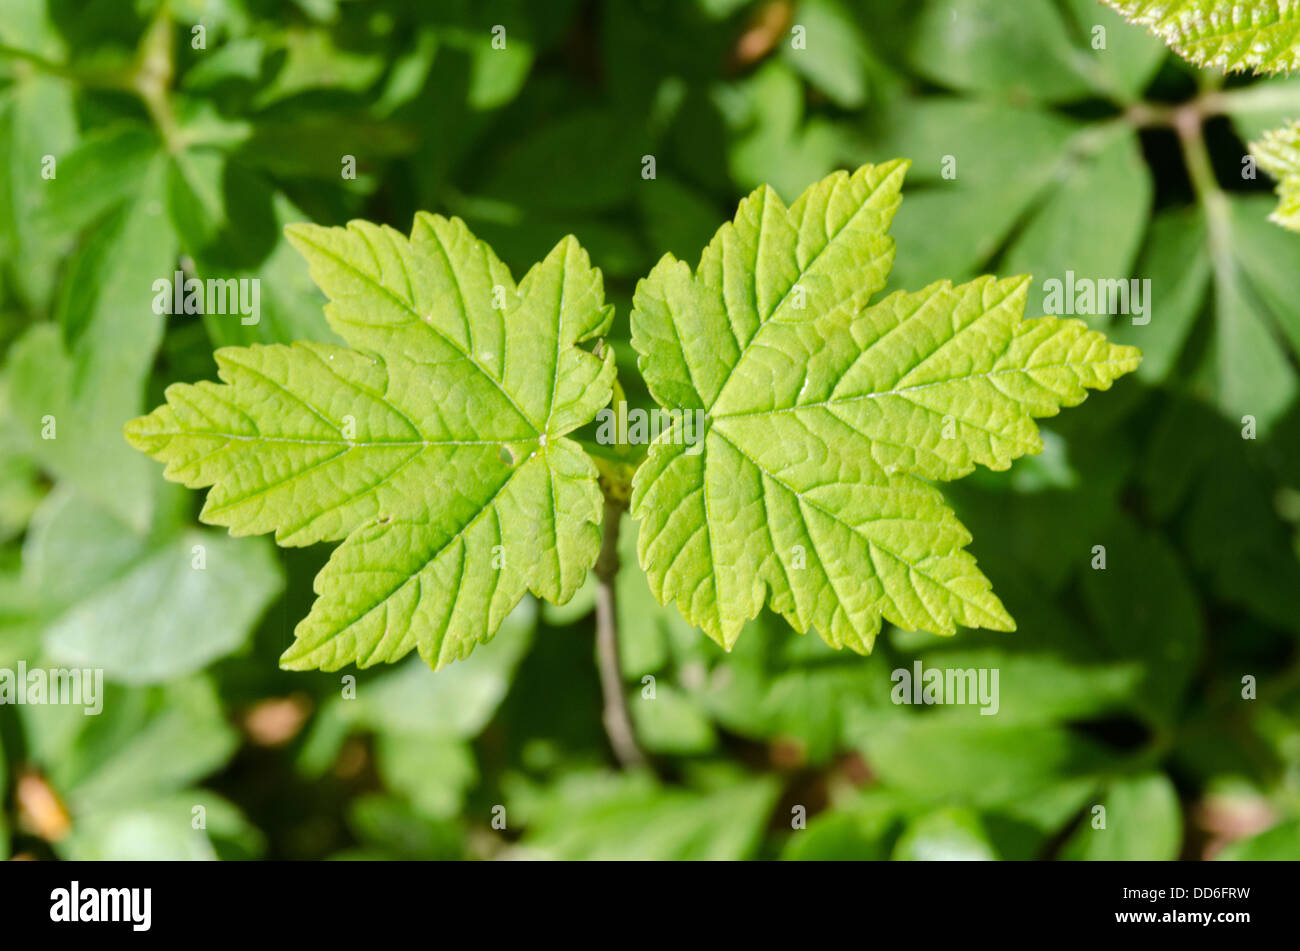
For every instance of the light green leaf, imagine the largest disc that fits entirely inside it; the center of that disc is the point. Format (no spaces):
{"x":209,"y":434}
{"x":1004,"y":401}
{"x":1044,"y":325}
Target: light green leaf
{"x":1263,"y":35}
{"x":1278,"y":153}
{"x":21,"y":489}
{"x":671,"y":721}
{"x":206,"y":589}
{"x":145,"y":742}
{"x":28,"y":25}
{"x":825,"y":417}
{"x":72,"y":390}
{"x":951,"y":834}
{"x":619,"y":817}
{"x":434,"y":773}
{"x":125,"y":775}
{"x":38,"y":127}
{"x":435,"y":447}
{"x":773,"y":140}
{"x":160,"y":828}
{"x":835,"y":57}
{"x":316,"y":59}
{"x":648,"y":630}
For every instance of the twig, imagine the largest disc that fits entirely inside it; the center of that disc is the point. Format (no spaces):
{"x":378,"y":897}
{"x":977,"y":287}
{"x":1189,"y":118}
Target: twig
{"x":618,"y":720}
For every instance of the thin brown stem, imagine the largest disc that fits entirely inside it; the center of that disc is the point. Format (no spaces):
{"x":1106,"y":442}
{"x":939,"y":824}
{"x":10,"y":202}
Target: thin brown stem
{"x":617,"y":717}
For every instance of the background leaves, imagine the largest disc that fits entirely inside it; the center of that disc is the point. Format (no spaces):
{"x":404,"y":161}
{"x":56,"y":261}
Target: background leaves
{"x":1120,"y":687}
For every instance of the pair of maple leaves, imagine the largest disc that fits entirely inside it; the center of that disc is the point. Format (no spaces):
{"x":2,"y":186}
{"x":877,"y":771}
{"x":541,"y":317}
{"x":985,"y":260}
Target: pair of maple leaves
{"x":434,"y":445}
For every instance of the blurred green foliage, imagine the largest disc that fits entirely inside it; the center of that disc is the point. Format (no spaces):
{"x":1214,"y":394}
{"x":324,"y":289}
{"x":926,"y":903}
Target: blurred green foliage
{"x":1122,"y":688}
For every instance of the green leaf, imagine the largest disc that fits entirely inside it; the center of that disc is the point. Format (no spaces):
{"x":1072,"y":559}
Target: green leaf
{"x":1015,"y":51}
{"x":1256,"y":570}
{"x":21,"y":490}
{"x":854,"y":830}
{"x":435,"y":447}
{"x":671,"y":722}
{"x":796,"y":690}
{"x":455,"y":706}
{"x":1092,"y":224}
{"x":618,"y":817}
{"x":773,"y":140}
{"x":1255,"y":277}
{"x":145,"y":742}
{"x":1263,"y":36}
{"x":1265,"y":104}
{"x":126,"y":774}
{"x":1146,"y":610}
{"x":391,"y":828}
{"x":37,"y":125}
{"x":433,"y":773}
{"x":951,"y":834}
{"x":989,"y":764}
{"x":975,"y":205}
{"x":1121,"y":61}
{"x":1278,"y":844}
{"x":1143,"y":823}
{"x":835,"y":57}
{"x":826,"y":417}
{"x":229,"y":221}
{"x":1176,"y":259}
{"x":1278,"y":153}
{"x":565,"y":164}
{"x":160,"y":828}
{"x":72,"y":391}
{"x":206,"y":591}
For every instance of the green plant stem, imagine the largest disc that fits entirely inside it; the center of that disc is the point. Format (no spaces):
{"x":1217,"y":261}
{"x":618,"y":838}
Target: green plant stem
{"x":149,"y":78}
{"x":1188,"y":123}
{"x":617,"y":717}
{"x":154,"y":72}
{"x":113,"y":79}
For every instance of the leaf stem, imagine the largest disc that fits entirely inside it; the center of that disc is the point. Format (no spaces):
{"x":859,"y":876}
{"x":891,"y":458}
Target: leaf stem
{"x":154,"y":72}
{"x":97,"y":78}
{"x":1188,"y":123}
{"x":617,"y":718}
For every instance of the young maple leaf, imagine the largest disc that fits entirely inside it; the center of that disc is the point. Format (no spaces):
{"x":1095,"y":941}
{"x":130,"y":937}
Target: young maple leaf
{"x":825,"y":417}
{"x":1263,"y":35}
{"x":1260,"y":35}
{"x":435,"y":447}
{"x":1278,"y":152}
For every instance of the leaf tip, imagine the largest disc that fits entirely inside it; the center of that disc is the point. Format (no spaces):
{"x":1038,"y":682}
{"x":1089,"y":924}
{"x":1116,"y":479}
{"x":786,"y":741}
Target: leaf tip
{"x":296,"y":657}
